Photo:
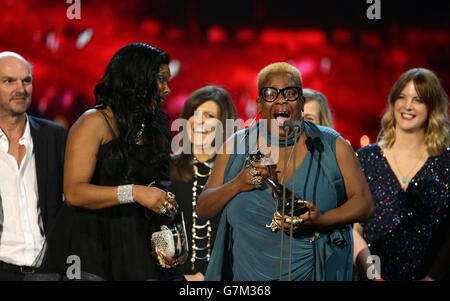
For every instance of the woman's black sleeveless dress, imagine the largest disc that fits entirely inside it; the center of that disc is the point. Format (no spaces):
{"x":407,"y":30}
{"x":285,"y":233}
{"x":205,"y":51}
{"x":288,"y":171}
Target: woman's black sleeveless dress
{"x":111,"y":243}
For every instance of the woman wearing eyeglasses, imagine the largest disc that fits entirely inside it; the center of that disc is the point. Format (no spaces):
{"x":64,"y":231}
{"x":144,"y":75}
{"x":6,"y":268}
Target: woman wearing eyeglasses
{"x":253,"y":242}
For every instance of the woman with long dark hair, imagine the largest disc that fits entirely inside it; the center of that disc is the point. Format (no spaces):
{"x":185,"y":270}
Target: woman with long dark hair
{"x":206,"y":110}
{"x":116,"y":166}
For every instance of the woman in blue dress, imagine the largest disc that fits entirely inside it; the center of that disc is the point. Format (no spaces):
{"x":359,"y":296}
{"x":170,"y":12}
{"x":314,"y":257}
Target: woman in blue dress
{"x":407,"y":172}
{"x":249,"y":244}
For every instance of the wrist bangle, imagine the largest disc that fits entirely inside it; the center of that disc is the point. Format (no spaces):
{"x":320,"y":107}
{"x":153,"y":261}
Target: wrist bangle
{"x":125,"y":194}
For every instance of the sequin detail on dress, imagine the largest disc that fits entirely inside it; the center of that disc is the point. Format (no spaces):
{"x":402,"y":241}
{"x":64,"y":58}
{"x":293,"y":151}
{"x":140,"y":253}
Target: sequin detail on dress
{"x":409,"y":226}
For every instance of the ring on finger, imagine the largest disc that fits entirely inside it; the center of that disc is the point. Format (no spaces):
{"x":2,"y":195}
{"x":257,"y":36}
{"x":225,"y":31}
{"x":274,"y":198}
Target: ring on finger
{"x":297,"y":221}
{"x":163,"y":210}
{"x":170,"y":196}
{"x":256,"y":180}
{"x":173,"y":204}
{"x":253,"y":171}
{"x":172,"y":208}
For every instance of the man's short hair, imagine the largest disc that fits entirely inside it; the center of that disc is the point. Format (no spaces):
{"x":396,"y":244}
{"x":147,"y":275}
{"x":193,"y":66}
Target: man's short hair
{"x":18,"y":56}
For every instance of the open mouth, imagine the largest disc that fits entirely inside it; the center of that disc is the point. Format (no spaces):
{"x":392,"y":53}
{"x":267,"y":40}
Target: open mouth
{"x":282,"y":116}
{"x":200,"y":130}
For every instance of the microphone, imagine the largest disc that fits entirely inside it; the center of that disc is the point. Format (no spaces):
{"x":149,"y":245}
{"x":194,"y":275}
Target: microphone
{"x":299,"y":126}
{"x":288,"y":126}
{"x":298,"y":130}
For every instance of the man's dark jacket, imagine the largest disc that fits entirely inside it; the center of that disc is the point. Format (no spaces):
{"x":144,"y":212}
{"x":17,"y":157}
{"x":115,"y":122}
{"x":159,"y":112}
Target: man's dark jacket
{"x":49,"y":144}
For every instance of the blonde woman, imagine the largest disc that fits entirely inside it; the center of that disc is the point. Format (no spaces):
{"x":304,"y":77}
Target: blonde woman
{"x":316,"y":108}
{"x":407,"y":172}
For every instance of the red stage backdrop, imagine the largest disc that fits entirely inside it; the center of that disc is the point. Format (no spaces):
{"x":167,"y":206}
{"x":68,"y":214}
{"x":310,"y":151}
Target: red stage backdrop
{"x":352,"y":51}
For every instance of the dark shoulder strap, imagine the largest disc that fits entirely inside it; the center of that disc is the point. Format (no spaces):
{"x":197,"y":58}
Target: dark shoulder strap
{"x":109,"y":125}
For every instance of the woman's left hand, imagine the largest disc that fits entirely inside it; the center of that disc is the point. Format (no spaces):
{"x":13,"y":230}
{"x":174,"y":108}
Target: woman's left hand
{"x":310,"y":219}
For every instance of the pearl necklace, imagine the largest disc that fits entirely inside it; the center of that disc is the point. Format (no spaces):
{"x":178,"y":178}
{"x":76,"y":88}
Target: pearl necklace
{"x":195,"y":188}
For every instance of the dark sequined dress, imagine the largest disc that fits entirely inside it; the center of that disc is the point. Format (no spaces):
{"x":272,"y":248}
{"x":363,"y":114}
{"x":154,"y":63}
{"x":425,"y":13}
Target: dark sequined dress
{"x":408,"y":227}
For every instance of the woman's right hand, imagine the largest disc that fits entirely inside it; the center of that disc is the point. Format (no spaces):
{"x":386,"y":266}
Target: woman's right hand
{"x":244,"y":179}
{"x":152,"y":198}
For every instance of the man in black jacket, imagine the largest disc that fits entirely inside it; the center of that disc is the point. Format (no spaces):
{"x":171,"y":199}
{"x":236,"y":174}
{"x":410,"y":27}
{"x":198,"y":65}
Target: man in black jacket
{"x":31,"y":171}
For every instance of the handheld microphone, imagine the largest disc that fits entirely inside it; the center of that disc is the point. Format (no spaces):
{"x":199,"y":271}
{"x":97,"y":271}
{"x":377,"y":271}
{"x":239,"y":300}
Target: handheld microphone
{"x":288,"y":126}
{"x":299,"y":126}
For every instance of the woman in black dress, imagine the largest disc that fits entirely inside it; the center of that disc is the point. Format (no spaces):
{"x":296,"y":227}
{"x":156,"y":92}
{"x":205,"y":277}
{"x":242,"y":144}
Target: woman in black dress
{"x":203,"y":110}
{"x":114,"y":151}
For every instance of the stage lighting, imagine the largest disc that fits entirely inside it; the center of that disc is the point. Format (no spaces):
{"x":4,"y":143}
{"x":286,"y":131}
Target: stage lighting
{"x":84,"y":38}
{"x":174,"y":67}
{"x":365,"y":140}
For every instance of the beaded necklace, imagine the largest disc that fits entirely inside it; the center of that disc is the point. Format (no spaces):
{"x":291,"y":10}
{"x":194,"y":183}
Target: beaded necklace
{"x":195,"y":238}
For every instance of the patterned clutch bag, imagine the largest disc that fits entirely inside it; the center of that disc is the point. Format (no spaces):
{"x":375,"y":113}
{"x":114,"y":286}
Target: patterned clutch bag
{"x":171,"y":240}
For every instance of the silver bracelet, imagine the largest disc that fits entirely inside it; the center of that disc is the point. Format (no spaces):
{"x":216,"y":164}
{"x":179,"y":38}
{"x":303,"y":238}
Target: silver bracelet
{"x":125,"y":194}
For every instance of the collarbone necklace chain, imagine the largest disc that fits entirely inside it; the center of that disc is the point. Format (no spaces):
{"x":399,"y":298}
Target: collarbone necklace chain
{"x":402,"y":175}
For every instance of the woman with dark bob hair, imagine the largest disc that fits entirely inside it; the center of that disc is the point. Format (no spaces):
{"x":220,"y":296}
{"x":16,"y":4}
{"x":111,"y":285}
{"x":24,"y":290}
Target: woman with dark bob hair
{"x":116,"y":166}
{"x":204,"y":110}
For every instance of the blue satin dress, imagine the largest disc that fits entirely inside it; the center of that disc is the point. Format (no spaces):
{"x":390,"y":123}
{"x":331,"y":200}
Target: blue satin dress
{"x":246,"y":250}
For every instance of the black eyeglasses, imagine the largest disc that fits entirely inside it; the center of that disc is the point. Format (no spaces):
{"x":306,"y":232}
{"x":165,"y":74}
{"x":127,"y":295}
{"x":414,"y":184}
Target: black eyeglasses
{"x":270,"y":94}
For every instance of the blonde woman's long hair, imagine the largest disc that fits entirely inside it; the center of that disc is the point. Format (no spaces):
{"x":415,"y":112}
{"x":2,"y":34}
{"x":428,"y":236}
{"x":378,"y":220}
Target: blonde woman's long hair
{"x":431,"y":92}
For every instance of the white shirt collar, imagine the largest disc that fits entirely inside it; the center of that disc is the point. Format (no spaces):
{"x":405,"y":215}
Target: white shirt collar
{"x":27,"y":133}
{"x":1,"y":134}
{"x":26,"y":136}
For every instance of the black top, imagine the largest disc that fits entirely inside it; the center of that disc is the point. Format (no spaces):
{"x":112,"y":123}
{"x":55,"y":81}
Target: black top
{"x":112,"y":243}
{"x":205,"y":230}
{"x":49,"y":144}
